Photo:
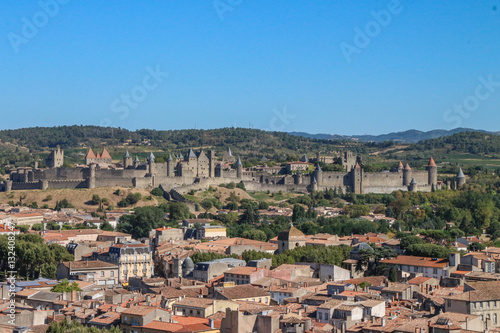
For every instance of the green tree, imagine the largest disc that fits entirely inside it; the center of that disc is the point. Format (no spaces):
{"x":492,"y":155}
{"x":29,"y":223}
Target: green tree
{"x":65,"y":286}
{"x":393,"y":276}
{"x":206,"y":204}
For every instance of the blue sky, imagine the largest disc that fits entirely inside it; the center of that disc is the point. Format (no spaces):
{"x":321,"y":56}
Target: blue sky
{"x":278,"y":65}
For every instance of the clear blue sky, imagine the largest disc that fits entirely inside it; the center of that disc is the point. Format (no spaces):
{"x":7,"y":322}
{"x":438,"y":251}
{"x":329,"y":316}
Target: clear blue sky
{"x":248,"y":61}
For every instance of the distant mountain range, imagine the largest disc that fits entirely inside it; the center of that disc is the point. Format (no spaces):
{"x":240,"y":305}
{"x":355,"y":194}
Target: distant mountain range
{"x":409,"y":136}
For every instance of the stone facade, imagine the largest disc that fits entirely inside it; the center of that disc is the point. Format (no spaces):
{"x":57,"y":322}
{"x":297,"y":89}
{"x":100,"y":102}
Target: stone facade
{"x":199,"y":170}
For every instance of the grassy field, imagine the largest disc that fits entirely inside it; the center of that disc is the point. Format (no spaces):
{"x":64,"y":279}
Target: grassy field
{"x":272,"y":197}
{"x":77,"y":197}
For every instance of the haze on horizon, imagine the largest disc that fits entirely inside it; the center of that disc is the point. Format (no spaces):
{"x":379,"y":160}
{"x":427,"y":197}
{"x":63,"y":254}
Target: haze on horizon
{"x":337,"y":67}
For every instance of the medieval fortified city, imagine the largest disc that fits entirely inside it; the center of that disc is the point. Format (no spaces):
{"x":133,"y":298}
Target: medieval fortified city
{"x":237,"y":166}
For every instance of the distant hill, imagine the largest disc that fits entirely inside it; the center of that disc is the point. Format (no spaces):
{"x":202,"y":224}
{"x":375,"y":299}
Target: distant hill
{"x":409,"y":136}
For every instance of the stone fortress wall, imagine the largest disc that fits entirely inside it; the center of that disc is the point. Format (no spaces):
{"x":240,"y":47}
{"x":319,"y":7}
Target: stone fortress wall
{"x":201,"y":170}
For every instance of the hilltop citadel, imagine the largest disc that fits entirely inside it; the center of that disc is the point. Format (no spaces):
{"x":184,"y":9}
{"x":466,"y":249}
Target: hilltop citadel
{"x":179,"y":174}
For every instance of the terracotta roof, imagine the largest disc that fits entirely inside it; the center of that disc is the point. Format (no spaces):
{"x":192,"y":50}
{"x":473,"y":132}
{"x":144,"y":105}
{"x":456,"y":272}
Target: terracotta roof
{"x":291,"y":234}
{"x":419,"y":280}
{"x":139,"y":310}
{"x":90,"y":154}
{"x":242,"y":291}
{"x":164,"y":326}
{"x":105,"y":154}
{"x":243,"y":270}
{"x":483,"y":291}
{"x":88,"y":264}
{"x":431,"y":163}
{"x":417,"y":261}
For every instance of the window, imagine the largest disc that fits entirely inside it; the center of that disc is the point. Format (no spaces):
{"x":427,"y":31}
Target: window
{"x":112,"y":273}
{"x":495,"y":319}
{"x":320,"y":315}
{"x":481,"y":305}
{"x":434,"y":271}
{"x":102,"y":273}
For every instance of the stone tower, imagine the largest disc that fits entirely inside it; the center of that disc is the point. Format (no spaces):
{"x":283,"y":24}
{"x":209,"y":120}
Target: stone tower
{"x":136,"y":162}
{"x":460,"y":178}
{"x":55,"y":159}
{"x":318,"y":173}
{"x":349,"y":161}
{"x":290,"y":239}
{"x":127,"y":160}
{"x":170,"y":166}
{"x":413,"y":185}
{"x":151,"y":164}
{"x":298,"y":178}
{"x":91,"y":179}
{"x":400,"y":167}
{"x":314,"y":184}
{"x":432,"y":172}
{"x":357,"y":175}
{"x":407,"y":175}
{"x":239,"y":168}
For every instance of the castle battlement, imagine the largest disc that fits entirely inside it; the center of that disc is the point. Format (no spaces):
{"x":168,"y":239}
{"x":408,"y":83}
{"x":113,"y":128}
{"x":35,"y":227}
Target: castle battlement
{"x":199,"y":169}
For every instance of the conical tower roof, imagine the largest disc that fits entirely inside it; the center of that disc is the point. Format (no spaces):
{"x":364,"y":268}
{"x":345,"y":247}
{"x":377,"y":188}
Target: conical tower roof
{"x":413,"y":181}
{"x":431,"y":163}
{"x":127,"y":155}
{"x":357,"y":166}
{"x":238,"y":162}
{"x":318,"y":168}
{"x":191,"y":154}
{"x":400,"y":165}
{"x":460,"y":174}
{"x":136,"y":159}
{"x":151,"y":157}
{"x":90,"y":154}
{"x":105,"y":153}
{"x":407,"y":167}
{"x":170,"y":159}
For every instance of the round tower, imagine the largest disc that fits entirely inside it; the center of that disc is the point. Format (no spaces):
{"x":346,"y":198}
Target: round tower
{"x":136,"y":162}
{"x":170,"y":166}
{"x":413,"y":185}
{"x":314,"y":184}
{"x":407,"y":175}
{"x":432,"y":172}
{"x":318,"y":173}
{"x":127,"y":160}
{"x":91,"y":179}
{"x":460,"y":178}
{"x":239,"y":168}
{"x":400,"y":167}
{"x":151,"y":163}
{"x":298,"y":178}
{"x":187,"y":267}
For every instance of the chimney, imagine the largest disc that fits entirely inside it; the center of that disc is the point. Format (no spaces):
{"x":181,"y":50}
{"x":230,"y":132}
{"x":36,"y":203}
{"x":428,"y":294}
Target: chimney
{"x":383,"y":322}
{"x":466,"y":323}
{"x":211,"y":323}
